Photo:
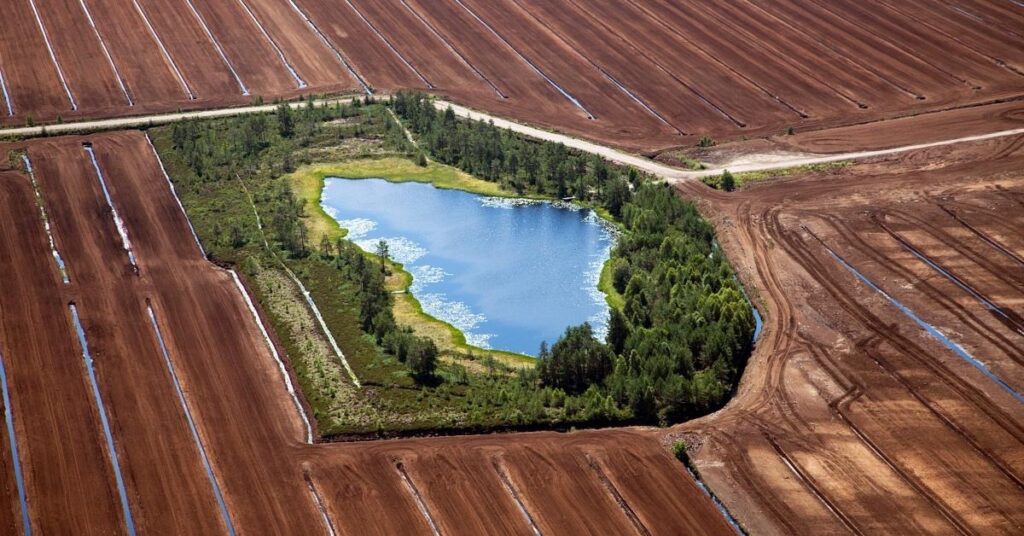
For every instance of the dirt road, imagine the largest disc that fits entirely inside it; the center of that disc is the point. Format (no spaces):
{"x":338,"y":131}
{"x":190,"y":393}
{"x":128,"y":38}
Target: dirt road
{"x":247,"y":466}
{"x":884,"y":393}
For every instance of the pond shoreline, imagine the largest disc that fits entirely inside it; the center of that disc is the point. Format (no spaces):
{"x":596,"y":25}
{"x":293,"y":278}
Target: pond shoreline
{"x":309,"y":183}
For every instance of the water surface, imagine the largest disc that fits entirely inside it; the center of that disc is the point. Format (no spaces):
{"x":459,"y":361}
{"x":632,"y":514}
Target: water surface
{"x":509,"y":273}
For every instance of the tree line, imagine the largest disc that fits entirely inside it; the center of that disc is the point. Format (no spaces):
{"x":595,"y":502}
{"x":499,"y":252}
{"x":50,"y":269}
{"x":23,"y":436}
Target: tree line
{"x":676,"y":347}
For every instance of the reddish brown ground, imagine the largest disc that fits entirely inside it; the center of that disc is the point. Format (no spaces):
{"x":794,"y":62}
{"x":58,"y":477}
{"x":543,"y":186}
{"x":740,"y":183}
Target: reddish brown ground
{"x":249,"y":52}
{"x":31,"y":79}
{"x":67,"y":471}
{"x":748,"y":68}
{"x":193,"y":53}
{"x":246,"y":420}
{"x":850,"y":418}
{"x":88,"y":73}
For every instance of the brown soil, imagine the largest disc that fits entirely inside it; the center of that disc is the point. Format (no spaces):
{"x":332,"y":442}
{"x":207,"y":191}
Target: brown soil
{"x":595,"y":481}
{"x":763,"y":66}
{"x":850,"y":418}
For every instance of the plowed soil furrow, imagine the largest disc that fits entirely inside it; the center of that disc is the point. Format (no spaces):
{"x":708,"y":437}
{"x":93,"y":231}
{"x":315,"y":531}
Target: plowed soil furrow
{"x":966,"y":29}
{"x":423,"y":48}
{"x":907,"y":422}
{"x":465,"y":495}
{"x":69,"y":484}
{"x":526,"y":89}
{"x":193,"y":53}
{"x":367,"y":498}
{"x":369,"y":54}
{"x":198,"y":302}
{"x":800,"y":49}
{"x":919,"y":281}
{"x":555,"y":486}
{"x":612,"y":107}
{"x":149,"y":77}
{"x":640,"y":476}
{"x":920,"y":288}
{"x":315,"y":62}
{"x":1003,"y":15}
{"x":251,"y":55}
{"x":86,"y":68}
{"x":894,"y":65}
{"x":715,"y":86}
{"x":29,"y":76}
{"x":700,"y":32}
{"x":924,"y":43}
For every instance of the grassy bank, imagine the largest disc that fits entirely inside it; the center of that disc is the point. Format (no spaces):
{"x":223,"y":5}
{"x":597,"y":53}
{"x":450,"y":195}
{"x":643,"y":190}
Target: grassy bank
{"x":308,"y":184}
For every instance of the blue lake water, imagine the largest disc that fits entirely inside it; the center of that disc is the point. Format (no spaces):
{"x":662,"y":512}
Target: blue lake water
{"x":509,"y":273}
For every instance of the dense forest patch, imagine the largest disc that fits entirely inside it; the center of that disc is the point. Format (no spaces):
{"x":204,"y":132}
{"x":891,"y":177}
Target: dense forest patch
{"x":680,"y":328}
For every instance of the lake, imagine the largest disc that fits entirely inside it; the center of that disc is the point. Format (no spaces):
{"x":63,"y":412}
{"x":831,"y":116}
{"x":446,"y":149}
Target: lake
{"x":508,"y":273}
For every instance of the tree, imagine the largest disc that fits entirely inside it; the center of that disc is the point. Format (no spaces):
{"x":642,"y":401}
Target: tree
{"x":325,"y":246}
{"x":618,"y":331}
{"x":384,"y":253}
{"x":728,"y":183}
{"x":422,"y":358}
{"x":285,"y":121}
{"x":576,"y":361}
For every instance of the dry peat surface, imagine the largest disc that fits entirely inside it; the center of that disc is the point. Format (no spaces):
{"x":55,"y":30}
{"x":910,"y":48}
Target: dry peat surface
{"x":149,"y":388}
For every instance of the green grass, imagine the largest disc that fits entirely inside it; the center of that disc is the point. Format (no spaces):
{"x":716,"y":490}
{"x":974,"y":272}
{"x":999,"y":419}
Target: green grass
{"x":611,"y":296}
{"x":308,"y":184}
{"x":747,"y":177}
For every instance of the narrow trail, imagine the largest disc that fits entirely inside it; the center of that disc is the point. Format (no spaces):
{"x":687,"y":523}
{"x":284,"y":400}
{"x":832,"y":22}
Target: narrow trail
{"x":662,"y":171}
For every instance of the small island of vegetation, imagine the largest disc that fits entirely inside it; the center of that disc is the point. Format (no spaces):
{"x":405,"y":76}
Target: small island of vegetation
{"x":680,"y":329}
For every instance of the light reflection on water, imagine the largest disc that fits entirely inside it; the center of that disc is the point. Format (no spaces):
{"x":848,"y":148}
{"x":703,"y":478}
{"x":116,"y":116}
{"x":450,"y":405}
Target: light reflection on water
{"x":508,"y":273}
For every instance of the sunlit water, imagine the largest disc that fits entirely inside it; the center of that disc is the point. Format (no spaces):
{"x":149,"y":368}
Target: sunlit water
{"x":508,"y":273}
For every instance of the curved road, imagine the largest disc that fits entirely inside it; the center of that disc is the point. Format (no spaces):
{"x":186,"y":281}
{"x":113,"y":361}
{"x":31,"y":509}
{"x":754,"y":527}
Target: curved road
{"x":645,"y":164}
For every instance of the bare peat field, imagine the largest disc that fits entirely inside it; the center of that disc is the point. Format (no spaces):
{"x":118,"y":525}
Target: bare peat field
{"x":623,"y":73}
{"x":151,"y":359}
{"x":886,"y":394}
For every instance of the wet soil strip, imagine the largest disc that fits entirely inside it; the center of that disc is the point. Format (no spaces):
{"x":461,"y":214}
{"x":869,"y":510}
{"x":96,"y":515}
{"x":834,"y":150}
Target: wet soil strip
{"x":53,"y":55}
{"x":810,"y":486}
{"x":411,"y":486}
{"x":302,"y":288}
{"x":7,"y":96}
{"x":106,"y":52}
{"x":280,"y":53}
{"x":390,"y":46}
{"x":118,"y":222}
{"x":758,"y":321}
{"x":217,"y":47}
{"x":101,"y":409}
{"x":163,"y":49}
{"x":26,"y":524}
{"x":931,"y":330}
{"x":718,"y":504}
{"x":191,"y":423}
{"x":1009,"y":318}
{"x":839,"y":53}
{"x":845,"y":17}
{"x":46,"y":221}
{"x":619,"y":499}
{"x":320,"y":506}
{"x":510,"y":487}
{"x":744,"y":34}
{"x":629,"y":93}
{"x":452,"y":48}
{"x":337,"y":53}
{"x":176,"y":198}
{"x":988,"y":240}
{"x":277,"y":357}
{"x":536,"y":69}
{"x":998,"y":61}
{"x":910,"y":481}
